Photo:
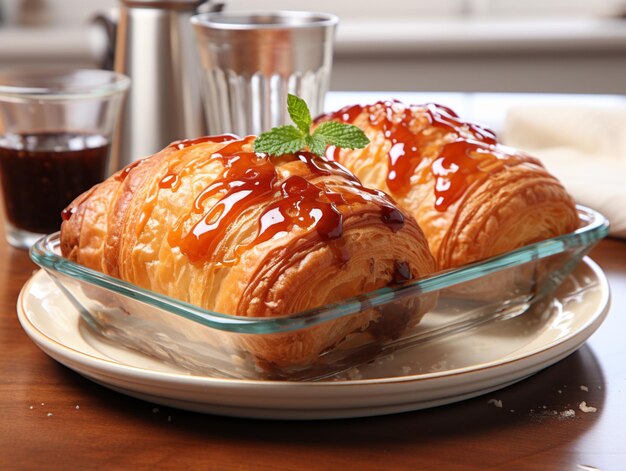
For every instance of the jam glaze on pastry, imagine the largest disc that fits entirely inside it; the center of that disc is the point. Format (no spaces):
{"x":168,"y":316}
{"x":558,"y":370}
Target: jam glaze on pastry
{"x":472,"y":197}
{"x":211,"y":223}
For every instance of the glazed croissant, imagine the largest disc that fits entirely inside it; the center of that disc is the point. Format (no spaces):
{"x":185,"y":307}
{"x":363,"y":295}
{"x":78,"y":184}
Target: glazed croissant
{"x":211,"y":223}
{"x":472,"y":197}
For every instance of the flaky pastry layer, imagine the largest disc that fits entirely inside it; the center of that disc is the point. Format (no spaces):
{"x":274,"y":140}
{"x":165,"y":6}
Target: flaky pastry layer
{"x":175,"y":224}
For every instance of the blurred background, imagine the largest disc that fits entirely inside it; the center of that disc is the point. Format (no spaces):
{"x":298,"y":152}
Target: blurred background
{"x":570,"y":46}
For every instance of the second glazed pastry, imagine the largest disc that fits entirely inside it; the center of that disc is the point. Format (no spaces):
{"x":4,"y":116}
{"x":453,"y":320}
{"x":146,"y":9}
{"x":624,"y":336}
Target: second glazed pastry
{"x":473,"y":197}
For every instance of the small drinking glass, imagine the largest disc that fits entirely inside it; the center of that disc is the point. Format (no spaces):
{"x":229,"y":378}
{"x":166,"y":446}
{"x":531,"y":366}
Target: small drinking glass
{"x":251,"y":61}
{"x":55,"y":142}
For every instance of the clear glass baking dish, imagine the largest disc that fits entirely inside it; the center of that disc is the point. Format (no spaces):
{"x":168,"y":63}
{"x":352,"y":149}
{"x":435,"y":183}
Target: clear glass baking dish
{"x":210,"y":343}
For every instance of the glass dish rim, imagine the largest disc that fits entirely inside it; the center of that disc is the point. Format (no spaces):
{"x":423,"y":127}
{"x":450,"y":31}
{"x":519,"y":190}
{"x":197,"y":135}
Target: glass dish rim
{"x":595,"y":229}
{"x":26,"y":94}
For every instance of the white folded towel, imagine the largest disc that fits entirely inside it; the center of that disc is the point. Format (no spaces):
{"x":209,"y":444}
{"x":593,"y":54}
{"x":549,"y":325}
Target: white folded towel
{"x":583,"y":146}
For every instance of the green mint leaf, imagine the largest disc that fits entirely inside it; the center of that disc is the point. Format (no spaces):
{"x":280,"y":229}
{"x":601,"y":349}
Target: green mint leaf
{"x":280,"y":140}
{"x":342,"y":135}
{"x":289,"y":139}
{"x":299,"y":113}
{"x":317,"y":145}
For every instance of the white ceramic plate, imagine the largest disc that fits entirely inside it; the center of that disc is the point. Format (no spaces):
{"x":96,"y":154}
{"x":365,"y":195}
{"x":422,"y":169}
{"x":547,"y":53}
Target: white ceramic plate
{"x":440,"y":372}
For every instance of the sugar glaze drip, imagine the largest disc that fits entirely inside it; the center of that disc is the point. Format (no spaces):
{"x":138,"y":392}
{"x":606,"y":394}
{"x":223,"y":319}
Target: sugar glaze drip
{"x":472,"y":156}
{"x":249,"y":180}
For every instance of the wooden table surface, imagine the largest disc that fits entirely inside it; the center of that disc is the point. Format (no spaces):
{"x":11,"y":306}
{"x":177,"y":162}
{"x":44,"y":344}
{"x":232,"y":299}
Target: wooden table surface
{"x":112,"y":431}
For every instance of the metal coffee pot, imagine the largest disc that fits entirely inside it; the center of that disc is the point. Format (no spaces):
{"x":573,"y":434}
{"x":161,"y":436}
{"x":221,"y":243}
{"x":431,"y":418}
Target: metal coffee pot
{"x":154,"y":46}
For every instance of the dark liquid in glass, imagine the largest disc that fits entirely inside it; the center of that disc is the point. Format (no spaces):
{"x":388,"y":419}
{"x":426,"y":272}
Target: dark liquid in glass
{"x":42,"y":173}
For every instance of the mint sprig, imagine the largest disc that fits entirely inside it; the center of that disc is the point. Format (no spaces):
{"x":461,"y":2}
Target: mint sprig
{"x":289,"y":139}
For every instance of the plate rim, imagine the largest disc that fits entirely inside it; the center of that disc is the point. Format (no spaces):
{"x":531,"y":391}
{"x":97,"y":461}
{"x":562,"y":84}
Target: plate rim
{"x":41,"y":339}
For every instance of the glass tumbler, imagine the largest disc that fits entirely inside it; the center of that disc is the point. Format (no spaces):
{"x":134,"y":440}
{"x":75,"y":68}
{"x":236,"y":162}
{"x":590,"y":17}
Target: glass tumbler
{"x":55,"y":142}
{"x":250,"y":61}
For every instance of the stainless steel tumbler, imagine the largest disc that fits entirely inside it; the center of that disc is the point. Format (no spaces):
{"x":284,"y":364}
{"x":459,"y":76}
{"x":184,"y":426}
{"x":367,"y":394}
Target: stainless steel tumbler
{"x":155,"y":48}
{"x":250,"y":61}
